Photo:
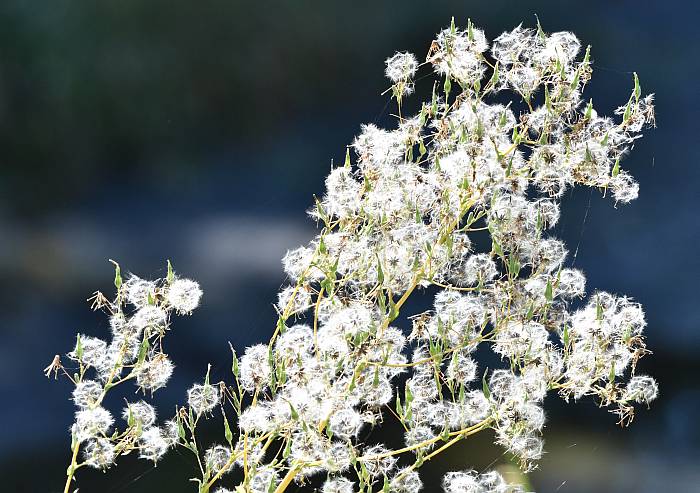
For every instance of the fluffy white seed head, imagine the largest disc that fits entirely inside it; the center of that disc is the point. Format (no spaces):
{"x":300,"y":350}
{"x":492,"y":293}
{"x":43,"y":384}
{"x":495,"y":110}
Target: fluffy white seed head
{"x":406,"y":481}
{"x":149,"y":316}
{"x":92,"y":423}
{"x":293,"y":300}
{"x":152,"y":444}
{"x":140,"y":412}
{"x":99,"y":453}
{"x":255,"y":368}
{"x":642,"y":389}
{"x":262,"y":480}
{"x":91,"y":351}
{"x":183,"y":295}
{"x":87,"y":393}
{"x":346,"y":423}
{"x":218,"y":458}
{"x":155,"y":373}
{"x":202,"y":398}
{"x":401,"y":67}
{"x":138,"y":291}
{"x":338,"y":485}
{"x":377,"y":462}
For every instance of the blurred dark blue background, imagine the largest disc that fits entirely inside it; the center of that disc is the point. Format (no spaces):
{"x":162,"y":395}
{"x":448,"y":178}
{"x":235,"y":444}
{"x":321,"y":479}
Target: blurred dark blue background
{"x":198,"y":131}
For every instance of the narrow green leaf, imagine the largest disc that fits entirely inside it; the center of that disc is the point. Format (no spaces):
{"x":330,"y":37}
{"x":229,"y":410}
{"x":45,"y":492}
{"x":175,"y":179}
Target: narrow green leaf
{"x":420,"y":458}
{"x":393,"y":311}
{"x":513,"y":266}
{"x":492,"y":84}
{"x":628,"y":111}
{"x":447,"y":87}
{"x":130,"y":419}
{"x":531,"y":312}
{"x":445,"y":434}
{"x":422,"y":115}
{"x":171,"y":274}
{"x":380,"y":272}
{"x":496,"y":248}
{"x":227,"y":430}
{"x":611,"y":376}
{"x":295,"y":414}
{"x":234,"y":361}
{"x":180,"y":430}
{"x":143,"y":350}
{"x":117,"y":275}
{"x":540,"y":31}
{"x":79,"y":348}
{"x":574,"y":83}
{"x":206,"y":377}
{"x":485,"y":385}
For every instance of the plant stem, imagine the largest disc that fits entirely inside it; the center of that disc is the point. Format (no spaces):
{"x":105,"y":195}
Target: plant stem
{"x":72,"y":467}
{"x":288,"y":478}
{"x":459,"y":436}
{"x":459,"y":433}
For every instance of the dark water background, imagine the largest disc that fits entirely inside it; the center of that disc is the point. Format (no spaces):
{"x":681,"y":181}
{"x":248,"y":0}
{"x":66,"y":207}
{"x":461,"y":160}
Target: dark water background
{"x":198,"y":131}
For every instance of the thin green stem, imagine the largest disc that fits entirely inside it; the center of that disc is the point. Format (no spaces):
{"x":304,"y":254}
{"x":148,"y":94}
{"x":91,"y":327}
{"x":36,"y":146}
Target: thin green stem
{"x":288,"y":478}
{"x":73,"y":466}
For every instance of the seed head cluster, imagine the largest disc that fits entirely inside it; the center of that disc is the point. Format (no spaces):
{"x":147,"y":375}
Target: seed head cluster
{"x":456,"y":203}
{"x":139,"y":319}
